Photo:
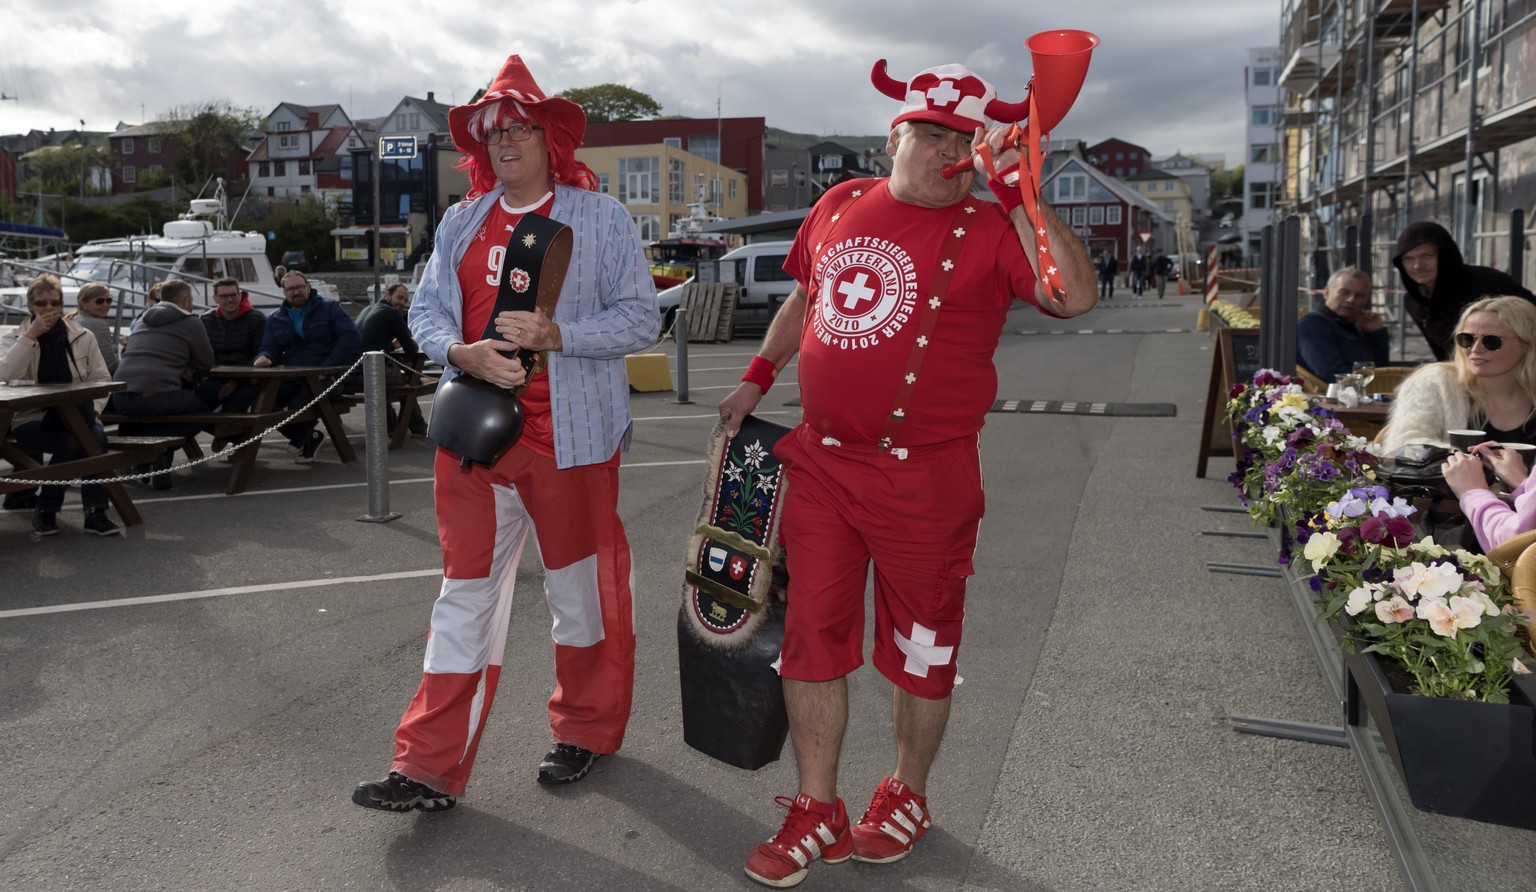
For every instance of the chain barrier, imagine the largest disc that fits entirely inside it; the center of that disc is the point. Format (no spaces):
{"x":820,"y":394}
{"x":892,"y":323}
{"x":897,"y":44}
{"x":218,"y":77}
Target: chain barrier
{"x":227,"y":450}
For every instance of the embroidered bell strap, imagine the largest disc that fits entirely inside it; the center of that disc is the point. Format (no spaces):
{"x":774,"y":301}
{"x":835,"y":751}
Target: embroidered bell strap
{"x":532,"y":272}
{"x":927,"y":321}
{"x":1029,"y":190}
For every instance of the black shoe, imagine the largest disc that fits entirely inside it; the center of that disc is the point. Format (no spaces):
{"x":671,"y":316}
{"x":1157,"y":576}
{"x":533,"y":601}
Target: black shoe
{"x":399,"y":793}
{"x":566,"y":764}
{"x":23,"y":500}
{"x":45,"y":523}
{"x":310,"y":447}
{"x":97,"y":522}
{"x":162,"y":469}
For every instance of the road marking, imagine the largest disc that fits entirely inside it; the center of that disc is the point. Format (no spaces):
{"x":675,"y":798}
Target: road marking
{"x":217,"y":593}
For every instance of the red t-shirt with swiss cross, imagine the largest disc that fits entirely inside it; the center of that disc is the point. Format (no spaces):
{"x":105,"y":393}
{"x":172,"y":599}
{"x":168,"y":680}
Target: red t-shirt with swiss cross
{"x":479,"y":280}
{"x":864,"y":275}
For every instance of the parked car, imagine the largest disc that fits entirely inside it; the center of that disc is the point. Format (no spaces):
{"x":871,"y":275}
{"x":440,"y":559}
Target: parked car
{"x":297,"y":261}
{"x":758,"y":269}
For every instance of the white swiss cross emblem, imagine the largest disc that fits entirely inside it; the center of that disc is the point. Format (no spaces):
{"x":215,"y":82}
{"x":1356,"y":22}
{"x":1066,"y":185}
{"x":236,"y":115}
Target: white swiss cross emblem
{"x":921,"y":654}
{"x":943,"y":94}
{"x":738,"y":568}
{"x":519,"y":280}
{"x":959,"y":232}
{"x":856,"y":293}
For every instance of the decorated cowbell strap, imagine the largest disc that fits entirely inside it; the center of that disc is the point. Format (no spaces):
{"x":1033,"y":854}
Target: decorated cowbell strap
{"x":532,"y":272}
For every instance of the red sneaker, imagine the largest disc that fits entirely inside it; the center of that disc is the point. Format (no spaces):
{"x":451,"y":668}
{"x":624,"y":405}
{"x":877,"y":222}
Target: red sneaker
{"x":896,"y":818}
{"x":811,"y":830}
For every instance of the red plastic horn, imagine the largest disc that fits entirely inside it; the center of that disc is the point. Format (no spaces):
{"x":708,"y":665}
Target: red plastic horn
{"x":1061,"y":63}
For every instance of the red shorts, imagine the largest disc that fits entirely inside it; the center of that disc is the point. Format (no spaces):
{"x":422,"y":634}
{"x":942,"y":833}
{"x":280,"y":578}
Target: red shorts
{"x":916,"y":520}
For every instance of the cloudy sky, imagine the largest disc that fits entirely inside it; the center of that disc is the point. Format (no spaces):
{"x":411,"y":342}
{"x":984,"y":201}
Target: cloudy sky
{"x":1167,"y":76}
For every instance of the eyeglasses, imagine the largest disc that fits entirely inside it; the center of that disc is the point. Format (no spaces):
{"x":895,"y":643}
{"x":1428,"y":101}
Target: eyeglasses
{"x":517,"y":131}
{"x":102,"y":300}
{"x":47,"y":303}
{"x":226,"y":295}
{"x":1466,"y":339}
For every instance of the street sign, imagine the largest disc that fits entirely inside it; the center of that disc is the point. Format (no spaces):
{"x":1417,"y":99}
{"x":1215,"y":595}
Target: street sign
{"x":1145,"y":236}
{"x":397,"y":147}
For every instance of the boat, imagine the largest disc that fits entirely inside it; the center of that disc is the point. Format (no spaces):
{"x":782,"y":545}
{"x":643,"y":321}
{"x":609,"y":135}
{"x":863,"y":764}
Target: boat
{"x":676,"y":257}
{"x":199,"y":247}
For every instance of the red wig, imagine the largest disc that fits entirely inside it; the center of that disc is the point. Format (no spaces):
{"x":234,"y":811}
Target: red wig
{"x":559,"y":137}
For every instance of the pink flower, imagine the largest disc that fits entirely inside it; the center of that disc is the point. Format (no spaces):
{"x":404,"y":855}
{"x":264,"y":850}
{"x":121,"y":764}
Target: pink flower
{"x":1396,"y":610}
{"x":1447,"y":618}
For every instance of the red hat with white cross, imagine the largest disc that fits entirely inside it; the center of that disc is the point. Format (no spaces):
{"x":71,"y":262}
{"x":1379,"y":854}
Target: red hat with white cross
{"x":951,"y":95}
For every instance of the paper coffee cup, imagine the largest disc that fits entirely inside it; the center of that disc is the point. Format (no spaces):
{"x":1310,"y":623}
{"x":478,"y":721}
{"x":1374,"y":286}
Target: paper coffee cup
{"x":1465,"y":439}
{"x":1526,"y":450}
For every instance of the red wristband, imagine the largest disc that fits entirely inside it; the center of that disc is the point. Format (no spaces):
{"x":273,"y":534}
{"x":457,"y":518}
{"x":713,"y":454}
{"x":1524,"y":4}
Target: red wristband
{"x":1006,"y":187}
{"x":761,"y":371}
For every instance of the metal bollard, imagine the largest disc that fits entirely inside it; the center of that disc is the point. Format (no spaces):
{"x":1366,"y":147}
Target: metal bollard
{"x":376,"y":438}
{"x":680,"y":332}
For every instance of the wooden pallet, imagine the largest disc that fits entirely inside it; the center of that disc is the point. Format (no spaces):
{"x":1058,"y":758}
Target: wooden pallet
{"x":711,"y":310}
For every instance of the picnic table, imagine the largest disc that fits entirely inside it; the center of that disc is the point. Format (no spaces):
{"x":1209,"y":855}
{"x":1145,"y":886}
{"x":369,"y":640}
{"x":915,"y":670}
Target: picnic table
{"x":120,"y":453}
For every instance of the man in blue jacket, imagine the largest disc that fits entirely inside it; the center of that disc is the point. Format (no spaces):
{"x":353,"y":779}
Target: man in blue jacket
{"x":306,"y":330}
{"x":1344,"y":330}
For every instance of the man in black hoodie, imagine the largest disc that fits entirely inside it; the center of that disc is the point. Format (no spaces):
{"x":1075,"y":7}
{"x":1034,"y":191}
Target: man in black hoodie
{"x":234,"y":329}
{"x":1440,"y":283}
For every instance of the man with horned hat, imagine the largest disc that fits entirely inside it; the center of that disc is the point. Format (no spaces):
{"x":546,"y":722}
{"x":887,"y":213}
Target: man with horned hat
{"x":903,"y":288}
{"x":559,"y":481}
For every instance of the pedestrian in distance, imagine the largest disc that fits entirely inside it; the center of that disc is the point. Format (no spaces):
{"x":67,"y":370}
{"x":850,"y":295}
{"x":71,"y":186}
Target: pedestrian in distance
{"x":1107,"y":267}
{"x":1162,"y":269}
{"x":1139,"y":268}
{"x":559,"y":482}
{"x":888,"y":473}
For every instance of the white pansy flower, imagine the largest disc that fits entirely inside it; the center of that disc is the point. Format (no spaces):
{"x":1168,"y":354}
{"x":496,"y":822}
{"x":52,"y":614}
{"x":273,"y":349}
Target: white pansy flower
{"x":1320,"y":547}
{"x":1359,"y":600}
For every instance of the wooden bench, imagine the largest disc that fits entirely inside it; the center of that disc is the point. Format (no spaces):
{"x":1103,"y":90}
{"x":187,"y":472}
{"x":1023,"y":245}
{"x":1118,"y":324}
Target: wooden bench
{"x":403,"y":396}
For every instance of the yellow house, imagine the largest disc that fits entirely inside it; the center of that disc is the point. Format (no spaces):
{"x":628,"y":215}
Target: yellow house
{"x":657,"y":183}
{"x":1167,"y":192}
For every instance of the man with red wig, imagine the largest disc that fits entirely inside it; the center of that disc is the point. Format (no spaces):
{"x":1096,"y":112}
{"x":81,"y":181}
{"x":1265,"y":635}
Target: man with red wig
{"x":559,"y":482}
{"x":904,"y":285}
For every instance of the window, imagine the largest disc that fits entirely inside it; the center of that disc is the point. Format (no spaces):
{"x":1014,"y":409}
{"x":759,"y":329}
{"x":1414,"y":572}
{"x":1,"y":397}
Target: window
{"x":733,"y":189}
{"x":128,"y":146}
{"x":280,"y":168}
{"x":1167,"y":207}
{"x":130,"y":174}
{"x":1261,"y":195}
{"x":415,"y":121}
{"x":1096,"y":215}
{"x":1112,"y":215}
{"x":799,"y":178}
{"x":303,"y":188}
{"x":152,"y":144}
{"x":1065,"y":214}
{"x":284,"y":125}
{"x":675,"y":181}
{"x":649,"y":226}
{"x":1261,"y":114}
{"x":346,"y":167}
{"x":1258,"y":153}
{"x":769,"y":268}
{"x":1079,"y":215}
{"x":706,"y":146}
{"x":1071,"y":187}
{"x":778,"y":178}
{"x":303,"y":167}
{"x":675,"y":142}
{"x":830,"y":162}
{"x":1119,"y":171}
{"x":241,"y":268}
{"x":264,"y":169}
{"x":640,"y":181}
{"x":602,"y":183}
{"x":155,"y":168}
{"x":287,"y":142}
{"x":1263,"y":77}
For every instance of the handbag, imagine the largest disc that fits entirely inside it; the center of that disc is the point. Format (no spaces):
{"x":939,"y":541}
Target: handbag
{"x":473,"y":418}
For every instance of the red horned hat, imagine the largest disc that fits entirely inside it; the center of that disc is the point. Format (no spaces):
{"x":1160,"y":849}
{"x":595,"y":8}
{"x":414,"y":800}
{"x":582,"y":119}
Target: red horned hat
{"x":951,"y":95}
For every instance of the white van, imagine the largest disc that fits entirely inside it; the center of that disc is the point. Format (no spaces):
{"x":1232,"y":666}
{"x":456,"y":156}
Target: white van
{"x":758,"y":269}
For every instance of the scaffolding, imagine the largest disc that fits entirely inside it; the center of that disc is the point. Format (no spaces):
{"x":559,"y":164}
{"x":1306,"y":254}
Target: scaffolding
{"x":1404,"y":110}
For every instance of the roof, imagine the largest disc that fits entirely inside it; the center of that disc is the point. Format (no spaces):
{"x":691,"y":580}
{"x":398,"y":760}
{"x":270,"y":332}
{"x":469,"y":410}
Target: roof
{"x":153,"y":128}
{"x":1115,"y":187}
{"x":437,"y":110}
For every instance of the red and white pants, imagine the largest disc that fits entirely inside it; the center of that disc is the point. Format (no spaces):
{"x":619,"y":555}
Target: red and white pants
{"x":483,"y":520}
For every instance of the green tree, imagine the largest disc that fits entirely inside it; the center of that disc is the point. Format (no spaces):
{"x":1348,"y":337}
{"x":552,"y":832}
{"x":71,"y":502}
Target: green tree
{"x":613,"y":102}
{"x":209,"y":137}
{"x":1227,"y":184}
{"x":66,"y":168}
{"x":304,"y":225}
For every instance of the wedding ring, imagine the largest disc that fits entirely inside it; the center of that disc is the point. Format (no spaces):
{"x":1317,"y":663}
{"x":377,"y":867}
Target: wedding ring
{"x":517,"y":332}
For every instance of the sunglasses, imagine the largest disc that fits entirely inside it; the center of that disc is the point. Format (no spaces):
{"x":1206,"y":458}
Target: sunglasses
{"x":102,"y":300}
{"x":1466,"y":340}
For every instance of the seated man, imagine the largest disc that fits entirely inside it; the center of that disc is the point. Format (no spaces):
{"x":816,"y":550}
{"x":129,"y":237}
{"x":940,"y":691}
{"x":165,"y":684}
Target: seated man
{"x":167,"y":352}
{"x":306,"y":330}
{"x":1344,"y":330}
{"x":235,"y":329}
{"x":383,"y":327}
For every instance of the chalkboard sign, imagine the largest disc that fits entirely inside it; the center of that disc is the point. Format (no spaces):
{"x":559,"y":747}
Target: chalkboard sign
{"x":1235,"y":359}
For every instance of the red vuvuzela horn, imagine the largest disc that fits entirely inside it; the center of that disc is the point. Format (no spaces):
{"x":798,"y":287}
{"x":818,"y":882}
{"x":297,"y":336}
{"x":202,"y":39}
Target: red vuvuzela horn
{"x":1060,"y":61}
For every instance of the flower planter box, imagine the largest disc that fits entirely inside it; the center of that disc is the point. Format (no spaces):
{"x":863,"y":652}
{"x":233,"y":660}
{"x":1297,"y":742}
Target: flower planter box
{"x":1460,"y":758}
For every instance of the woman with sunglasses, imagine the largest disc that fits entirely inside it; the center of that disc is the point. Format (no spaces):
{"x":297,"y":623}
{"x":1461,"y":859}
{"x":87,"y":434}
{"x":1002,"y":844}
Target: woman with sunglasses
{"x":1489,"y":385}
{"x":92,"y":306}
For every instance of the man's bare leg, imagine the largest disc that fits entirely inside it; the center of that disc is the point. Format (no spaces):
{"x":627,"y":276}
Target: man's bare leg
{"x":919,"y":731}
{"x":818,"y":715}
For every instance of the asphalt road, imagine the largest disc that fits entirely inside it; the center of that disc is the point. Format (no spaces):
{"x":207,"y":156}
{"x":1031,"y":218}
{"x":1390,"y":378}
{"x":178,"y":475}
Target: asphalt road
{"x":210,"y":739}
